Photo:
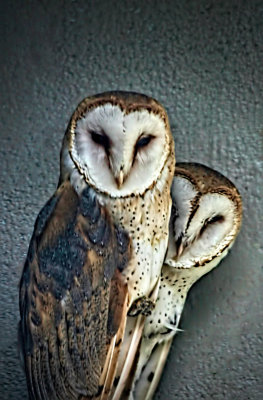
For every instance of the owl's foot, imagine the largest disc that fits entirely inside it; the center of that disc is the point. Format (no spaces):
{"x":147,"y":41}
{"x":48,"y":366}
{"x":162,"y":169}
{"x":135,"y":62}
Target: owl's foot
{"x":143,"y":306}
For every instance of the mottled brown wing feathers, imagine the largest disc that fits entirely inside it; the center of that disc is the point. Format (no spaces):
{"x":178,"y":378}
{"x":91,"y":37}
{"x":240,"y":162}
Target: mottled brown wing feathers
{"x":116,"y":327}
{"x":73,"y":302}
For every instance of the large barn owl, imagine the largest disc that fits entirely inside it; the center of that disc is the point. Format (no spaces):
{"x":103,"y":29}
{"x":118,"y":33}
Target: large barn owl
{"x":98,"y":247}
{"x":206,"y":218}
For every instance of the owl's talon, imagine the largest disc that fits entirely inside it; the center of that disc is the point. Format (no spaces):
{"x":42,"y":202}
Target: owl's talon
{"x":142,"y":306}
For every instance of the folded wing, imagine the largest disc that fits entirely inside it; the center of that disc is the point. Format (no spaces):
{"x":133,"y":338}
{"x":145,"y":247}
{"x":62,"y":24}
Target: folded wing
{"x":73,"y":302}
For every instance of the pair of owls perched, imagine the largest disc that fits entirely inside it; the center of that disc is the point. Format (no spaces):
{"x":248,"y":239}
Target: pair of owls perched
{"x":115,"y":251}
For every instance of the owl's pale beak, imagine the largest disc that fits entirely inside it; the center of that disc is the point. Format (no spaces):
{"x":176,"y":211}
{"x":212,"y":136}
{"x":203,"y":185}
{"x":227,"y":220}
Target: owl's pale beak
{"x":118,"y":172}
{"x":180,"y":249}
{"x":181,"y":245}
{"x":119,"y":179}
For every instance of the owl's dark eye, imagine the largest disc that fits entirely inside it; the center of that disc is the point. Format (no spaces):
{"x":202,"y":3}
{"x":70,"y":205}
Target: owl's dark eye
{"x":143,"y":141}
{"x":101,"y":139}
{"x":216,"y":218}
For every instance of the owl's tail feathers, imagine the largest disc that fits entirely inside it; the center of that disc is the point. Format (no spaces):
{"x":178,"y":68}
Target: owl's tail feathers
{"x":146,"y":386}
{"x":128,"y":353}
{"x":110,"y":366}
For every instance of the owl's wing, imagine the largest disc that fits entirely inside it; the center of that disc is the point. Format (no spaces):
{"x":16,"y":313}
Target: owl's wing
{"x":73,"y":302}
{"x":210,"y":207}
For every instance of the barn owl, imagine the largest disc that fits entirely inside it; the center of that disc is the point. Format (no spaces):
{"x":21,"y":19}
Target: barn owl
{"x":98,"y":247}
{"x":205,"y":220}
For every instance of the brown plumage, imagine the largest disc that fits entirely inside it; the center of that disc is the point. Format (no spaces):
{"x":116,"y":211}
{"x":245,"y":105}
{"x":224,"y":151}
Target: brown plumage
{"x":73,"y":300}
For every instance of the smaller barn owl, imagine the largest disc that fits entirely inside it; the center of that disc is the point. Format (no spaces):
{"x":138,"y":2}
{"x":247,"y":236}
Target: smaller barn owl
{"x":205,"y":221}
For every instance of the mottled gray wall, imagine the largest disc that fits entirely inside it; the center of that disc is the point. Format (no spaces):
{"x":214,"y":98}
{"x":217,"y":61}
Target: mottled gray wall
{"x":204,"y":61}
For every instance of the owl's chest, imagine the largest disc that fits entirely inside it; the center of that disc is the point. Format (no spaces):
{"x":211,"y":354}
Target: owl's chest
{"x":146,"y":221}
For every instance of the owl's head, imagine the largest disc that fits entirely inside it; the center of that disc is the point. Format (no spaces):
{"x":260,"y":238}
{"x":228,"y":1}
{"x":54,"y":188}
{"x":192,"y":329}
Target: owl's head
{"x":206,"y":215}
{"x":117,"y":142}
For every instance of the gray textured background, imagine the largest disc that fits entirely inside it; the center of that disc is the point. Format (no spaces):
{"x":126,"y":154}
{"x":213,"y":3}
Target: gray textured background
{"x":204,"y":61}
